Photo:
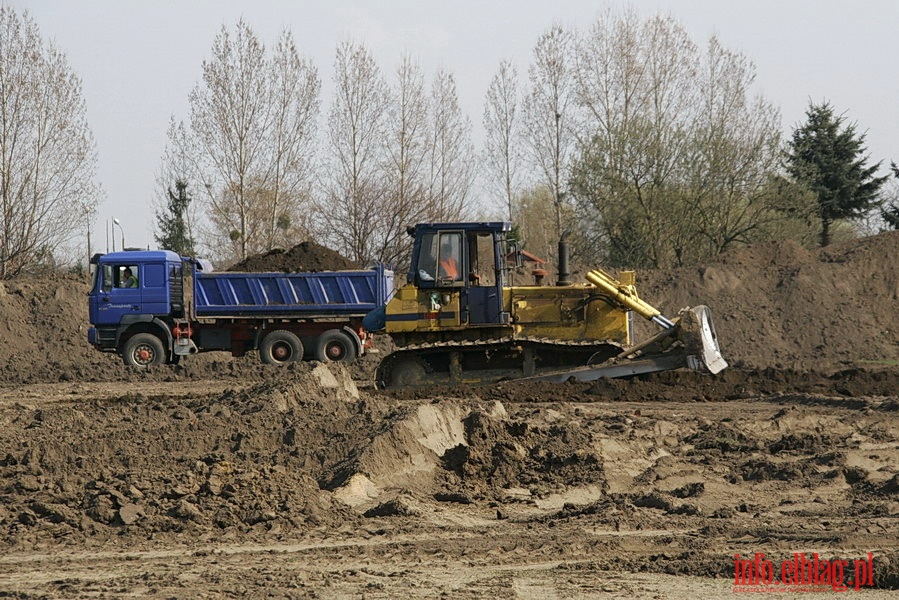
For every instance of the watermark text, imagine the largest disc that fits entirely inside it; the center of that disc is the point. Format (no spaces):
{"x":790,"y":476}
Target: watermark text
{"x":802,"y":573}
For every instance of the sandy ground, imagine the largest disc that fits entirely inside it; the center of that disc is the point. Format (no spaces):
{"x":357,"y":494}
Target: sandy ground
{"x":649,"y":498}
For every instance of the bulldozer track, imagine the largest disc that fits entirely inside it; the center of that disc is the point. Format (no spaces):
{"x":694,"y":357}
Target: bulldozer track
{"x":427,"y":355}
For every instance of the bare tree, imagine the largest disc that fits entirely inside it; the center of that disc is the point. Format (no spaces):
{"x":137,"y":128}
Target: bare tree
{"x":634,"y":85}
{"x":350,"y":212}
{"x":548,"y":114}
{"x":47,"y":157}
{"x":229,"y":120}
{"x":735,"y":152}
{"x":180,"y":164}
{"x":405,"y":200}
{"x":452,"y":164}
{"x":501,"y":123}
{"x":296,"y":91}
{"x":678,"y":161}
{"x":249,"y":143}
{"x":395,"y":162}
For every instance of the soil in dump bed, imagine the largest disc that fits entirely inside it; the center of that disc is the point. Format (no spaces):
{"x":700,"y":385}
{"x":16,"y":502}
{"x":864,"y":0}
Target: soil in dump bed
{"x":305,"y":256}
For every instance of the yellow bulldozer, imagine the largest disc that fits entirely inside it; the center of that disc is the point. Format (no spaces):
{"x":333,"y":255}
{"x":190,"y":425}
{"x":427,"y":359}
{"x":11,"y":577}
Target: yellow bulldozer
{"x":462,"y":318}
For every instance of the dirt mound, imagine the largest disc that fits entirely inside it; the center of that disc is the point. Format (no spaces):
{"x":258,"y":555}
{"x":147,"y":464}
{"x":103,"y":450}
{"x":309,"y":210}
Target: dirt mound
{"x":310,"y":450}
{"x":305,"y":256}
{"x":402,"y":456}
{"x":43,"y":331}
{"x":243,"y":461}
{"x":526,"y":457}
{"x":775,"y":305}
{"x":779,"y":305}
{"x":460,"y":452}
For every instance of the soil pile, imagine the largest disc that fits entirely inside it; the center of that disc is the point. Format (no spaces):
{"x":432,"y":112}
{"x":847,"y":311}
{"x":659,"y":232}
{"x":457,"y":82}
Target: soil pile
{"x":305,"y":256}
{"x":137,"y":465}
{"x":308,"y":451}
{"x":462,"y":452}
{"x":780,"y":305}
{"x":43,"y":331}
{"x":540,"y":454}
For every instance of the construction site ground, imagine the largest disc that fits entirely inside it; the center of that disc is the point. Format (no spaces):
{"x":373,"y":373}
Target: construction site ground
{"x":222,"y":477}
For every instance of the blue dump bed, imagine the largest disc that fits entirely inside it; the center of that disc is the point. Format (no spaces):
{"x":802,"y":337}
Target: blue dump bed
{"x":326,"y":293}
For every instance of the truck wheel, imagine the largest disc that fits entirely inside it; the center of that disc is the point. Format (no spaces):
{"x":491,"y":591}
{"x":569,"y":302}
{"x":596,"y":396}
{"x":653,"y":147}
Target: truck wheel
{"x":280,"y":347}
{"x":335,"y":346}
{"x":143,"y":350}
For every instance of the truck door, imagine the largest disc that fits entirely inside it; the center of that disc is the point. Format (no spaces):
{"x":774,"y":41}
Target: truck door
{"x":483,"y":294}
{"x":117,"y":292}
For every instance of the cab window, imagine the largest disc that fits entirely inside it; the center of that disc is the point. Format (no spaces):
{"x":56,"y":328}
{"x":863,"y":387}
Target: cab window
{"x":427,"y":258}
{"x":440,"y":259}
{"x":123,"y":276}
{"x":449,"y":257}
{"x":482,"y":260}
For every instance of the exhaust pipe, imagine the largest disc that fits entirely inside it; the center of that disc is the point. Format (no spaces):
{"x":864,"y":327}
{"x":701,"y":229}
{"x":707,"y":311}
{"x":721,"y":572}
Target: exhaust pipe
{"x":564,"y":272}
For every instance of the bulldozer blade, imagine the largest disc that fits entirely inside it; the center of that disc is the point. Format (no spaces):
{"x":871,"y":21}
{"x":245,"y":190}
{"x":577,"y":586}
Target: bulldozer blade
{"x":697,"y":349}
{"x":697,"y":333}
{"x":613,"y":370}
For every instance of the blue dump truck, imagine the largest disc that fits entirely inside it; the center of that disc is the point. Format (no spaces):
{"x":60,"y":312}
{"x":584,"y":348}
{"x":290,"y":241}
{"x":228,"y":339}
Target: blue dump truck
{"x":153,"y":307}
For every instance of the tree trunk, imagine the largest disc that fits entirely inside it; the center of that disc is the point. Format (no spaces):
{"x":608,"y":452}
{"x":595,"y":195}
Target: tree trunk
{"x":825,"y":232}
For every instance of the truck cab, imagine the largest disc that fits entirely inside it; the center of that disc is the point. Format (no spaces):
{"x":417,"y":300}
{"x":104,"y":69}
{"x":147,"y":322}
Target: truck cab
{"x":153,"y":286}
{"x":132,"y":293}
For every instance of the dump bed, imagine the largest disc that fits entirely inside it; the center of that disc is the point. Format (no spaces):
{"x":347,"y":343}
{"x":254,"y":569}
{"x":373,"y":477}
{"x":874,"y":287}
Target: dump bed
{"x":321,"y":294}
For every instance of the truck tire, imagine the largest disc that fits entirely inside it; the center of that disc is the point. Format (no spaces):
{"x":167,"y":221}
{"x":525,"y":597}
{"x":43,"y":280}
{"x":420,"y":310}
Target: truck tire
{"x":335,"y":346}
{"x":280,"y":347}
{"x":142,"y":350}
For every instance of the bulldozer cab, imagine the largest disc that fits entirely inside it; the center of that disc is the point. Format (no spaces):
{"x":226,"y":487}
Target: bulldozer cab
{"x":463,"y":258}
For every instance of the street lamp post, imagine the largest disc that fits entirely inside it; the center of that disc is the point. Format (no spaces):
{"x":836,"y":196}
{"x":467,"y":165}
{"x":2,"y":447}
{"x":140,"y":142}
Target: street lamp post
{"x":116,"y":222}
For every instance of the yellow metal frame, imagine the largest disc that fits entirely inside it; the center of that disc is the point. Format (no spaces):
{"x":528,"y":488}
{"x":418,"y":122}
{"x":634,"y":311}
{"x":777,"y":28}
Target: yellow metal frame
{"x":567,"y":313}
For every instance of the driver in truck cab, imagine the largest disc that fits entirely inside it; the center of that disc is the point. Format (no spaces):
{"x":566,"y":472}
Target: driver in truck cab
{"x":449,"y":265}
{"x":128,"y":279}
{"x":445,"y":264}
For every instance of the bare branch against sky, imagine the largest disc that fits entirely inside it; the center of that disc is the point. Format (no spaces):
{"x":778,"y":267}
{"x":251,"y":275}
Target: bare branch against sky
{"x":138,"y":60}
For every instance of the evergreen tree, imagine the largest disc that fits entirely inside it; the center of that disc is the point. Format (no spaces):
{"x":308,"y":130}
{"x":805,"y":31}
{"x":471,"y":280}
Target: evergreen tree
{"x":174,"y":231}
{"x":890,"y":213}
{"x":828,"y":156}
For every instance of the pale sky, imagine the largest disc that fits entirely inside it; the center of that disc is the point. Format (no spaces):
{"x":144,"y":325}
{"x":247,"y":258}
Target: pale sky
{"x":139,"y":59}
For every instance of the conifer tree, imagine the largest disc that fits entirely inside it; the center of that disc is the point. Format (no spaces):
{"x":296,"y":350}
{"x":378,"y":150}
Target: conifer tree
{"x":828,"y":156}
{"x":174,"y":228}
{"x":890,"y":213}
